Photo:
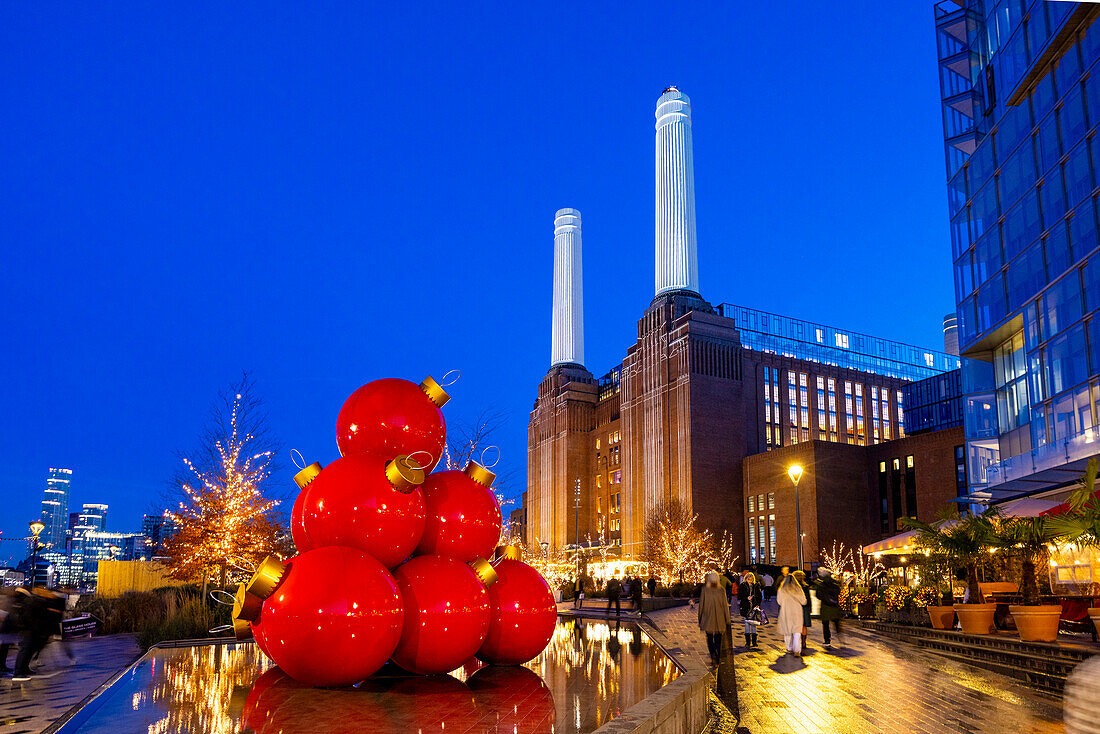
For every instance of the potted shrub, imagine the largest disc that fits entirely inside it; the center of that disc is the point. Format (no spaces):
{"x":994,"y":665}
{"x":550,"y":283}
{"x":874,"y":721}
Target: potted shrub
{"x":1080,"y":524}
{"x":1028,"y":538}
{"x":928,"y":597}
{"x":963,"y":541}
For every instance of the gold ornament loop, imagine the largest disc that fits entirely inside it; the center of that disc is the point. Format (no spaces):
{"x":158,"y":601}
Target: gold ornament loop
{"x":307,"y":475}
{"x":267,"y":577}
{"x":479,"y":474}
{"x":484,"y":571}
{"x":486,"y":464}
{"x":509,"y":552}
{"x":403,"y":475}
{"x":434,"y":392}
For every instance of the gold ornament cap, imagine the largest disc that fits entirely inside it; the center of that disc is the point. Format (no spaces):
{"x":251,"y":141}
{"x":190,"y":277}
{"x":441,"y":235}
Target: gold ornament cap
{"x":241,"y":630}
{"x":246,"y":606}
{"x":434,"y":392}
{"x":307,"y":475}
{"x":509,"y":552}
{"x":404,"y":475}
{"x":267,"y":577}
{"x":479,"y":474}
{"x":484,"y":571}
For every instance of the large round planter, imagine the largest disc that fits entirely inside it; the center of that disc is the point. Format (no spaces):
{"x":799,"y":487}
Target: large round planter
{"x":1038,"y":623}
{"x":1094,"y":614}
{"x":943,"y":618}
{"x":976,"y":619}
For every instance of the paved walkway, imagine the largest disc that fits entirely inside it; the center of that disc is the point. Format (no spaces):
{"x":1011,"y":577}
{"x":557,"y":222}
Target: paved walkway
{"x":30,"y":707}
{"x":866,"y":684}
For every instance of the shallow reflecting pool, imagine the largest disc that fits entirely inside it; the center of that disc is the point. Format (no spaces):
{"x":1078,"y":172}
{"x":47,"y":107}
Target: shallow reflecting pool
{"x":590,"y":673}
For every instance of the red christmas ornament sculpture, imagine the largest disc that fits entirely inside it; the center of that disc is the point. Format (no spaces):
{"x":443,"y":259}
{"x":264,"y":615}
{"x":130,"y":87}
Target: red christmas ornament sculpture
{"x":523,"y":614}
{"x":364,"y":502}
{"x":463,"y":515}
{"x":446,"y":614}
{"x":331,"y":616}
{"x":391,"y":417}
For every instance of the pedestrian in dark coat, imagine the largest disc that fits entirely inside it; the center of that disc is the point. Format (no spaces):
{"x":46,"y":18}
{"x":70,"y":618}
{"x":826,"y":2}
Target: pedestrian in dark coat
{"x":828,"y":593}
{"x":614,"y":590}
{"x":636,"y":594}
{"x":652,"y":584}
{"x":749,"y":597}
{"x":714,"y":615}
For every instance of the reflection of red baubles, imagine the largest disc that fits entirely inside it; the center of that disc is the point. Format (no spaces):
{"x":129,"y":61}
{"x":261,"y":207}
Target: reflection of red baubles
{"x":358,"y":502}
{"x":463,"y":515}
{"x":333,"y":617}
{"x":391,"y":417}
{"x":446,"y":614}
{"x":523,"y":615}
{"x":515,"y":698}
{"x":278,"y":704}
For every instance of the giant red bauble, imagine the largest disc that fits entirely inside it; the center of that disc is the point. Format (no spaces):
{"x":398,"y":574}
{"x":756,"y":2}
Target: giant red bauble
{"x":351,"y":503}
{"x":462,"y":517}
{"x":388,"y":418}
{"x":334,"y":617}
{"x":523,"y":615}
{"x":297,"y":523}
{"x":446,"y":614}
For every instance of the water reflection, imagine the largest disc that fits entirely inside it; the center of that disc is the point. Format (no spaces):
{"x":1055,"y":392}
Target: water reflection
{"x":590,"y":672}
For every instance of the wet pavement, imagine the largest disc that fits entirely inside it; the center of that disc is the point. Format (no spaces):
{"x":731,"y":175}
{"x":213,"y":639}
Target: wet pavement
{"x":32,"y":706}
{"x":867,"y":684}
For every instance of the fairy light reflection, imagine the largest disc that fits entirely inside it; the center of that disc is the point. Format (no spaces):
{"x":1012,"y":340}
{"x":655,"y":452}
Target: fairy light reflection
{"x":590,"y":672}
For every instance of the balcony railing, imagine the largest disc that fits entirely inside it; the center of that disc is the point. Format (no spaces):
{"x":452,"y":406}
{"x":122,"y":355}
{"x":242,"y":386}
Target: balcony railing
{"x":1049,"y":456}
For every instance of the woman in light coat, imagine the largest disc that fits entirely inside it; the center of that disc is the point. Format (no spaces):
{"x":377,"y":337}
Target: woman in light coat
{"x":791,"y":598}
{"x":714,"y":615}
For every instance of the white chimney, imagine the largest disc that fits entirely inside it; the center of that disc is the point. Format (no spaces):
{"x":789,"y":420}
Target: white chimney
{"x":677,"y":258}
{"x":567,"y":334}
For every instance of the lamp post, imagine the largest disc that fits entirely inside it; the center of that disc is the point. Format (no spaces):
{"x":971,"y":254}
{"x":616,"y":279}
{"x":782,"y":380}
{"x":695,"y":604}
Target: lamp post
{"x":795,"y":473}
{"x":36,"y":529}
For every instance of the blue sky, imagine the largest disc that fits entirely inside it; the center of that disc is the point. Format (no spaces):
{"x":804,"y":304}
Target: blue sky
{"x":326,"y":194}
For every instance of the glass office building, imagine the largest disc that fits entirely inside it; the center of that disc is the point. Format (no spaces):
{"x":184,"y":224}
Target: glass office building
{"x":808,"y":340}
{"x":55,"y":510}
{"x":1020,"y":95}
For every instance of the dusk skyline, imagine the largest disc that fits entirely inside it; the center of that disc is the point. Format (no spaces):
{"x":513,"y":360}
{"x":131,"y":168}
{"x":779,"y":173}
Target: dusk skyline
{"x":285,"y":194}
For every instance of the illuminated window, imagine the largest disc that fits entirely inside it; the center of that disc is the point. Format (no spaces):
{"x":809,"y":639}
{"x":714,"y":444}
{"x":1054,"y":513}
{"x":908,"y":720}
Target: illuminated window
{"x":909,"y":461}
{"x":760,"y":502}
{"x":929,"y":359}
{"x":599,"y":481}
{"x":820,"y":335}
{"x":617,"y":476}
{"x":752,"y":537}
{"x":882,"y":467}
{"x":897,"y":464}
{"x":771,"y":535}
{"x":752,"y":503}
{"x":597,"y":444}
{"x":842,"y":341}
{"x":771,"y":499}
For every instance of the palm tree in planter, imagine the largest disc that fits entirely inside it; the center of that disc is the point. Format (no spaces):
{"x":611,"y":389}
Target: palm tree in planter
{"x":1028,"y":538}
{"x":963,"y":541}
{"x":1080,"y":524}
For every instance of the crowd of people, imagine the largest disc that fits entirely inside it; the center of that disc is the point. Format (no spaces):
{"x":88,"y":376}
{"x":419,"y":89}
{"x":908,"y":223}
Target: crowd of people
{"x":28,"y":619}
{"x":751,"y":591}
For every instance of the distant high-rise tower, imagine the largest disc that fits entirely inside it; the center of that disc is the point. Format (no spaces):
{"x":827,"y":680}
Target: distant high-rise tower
{"x":951,"y":334}
{"x":677,"y":259}
{"x":567,"y":331}
{"x":55,"y":509}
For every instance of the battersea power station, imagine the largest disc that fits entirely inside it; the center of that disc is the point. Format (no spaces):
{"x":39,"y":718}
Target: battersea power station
{"x":714,"y":402}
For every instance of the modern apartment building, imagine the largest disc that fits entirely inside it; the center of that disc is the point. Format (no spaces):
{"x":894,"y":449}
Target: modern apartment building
{"x":1021,"y":107}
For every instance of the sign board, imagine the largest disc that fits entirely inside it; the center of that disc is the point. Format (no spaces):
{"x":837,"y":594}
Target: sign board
{"x":88,"y":624}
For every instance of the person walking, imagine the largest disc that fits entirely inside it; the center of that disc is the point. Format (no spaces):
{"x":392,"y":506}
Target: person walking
{"x":578,"y":592}
{"x":35,"y":620}
{"x":614,"y":589}
{"x":807,"y":609}
{"x":768,"y":582}
{"x":791,"y":599}
{"x":652,"y":584}
{"x":636,"y":594}
{"x":748,"y":598}
{"x":714,"y":615}
{"x":10,"y":627}
{"x":828,"y":593}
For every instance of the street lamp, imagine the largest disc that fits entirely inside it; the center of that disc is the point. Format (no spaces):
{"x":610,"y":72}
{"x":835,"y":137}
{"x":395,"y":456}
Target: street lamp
{"x":795,"y":473}
{"x":36,"y":528}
